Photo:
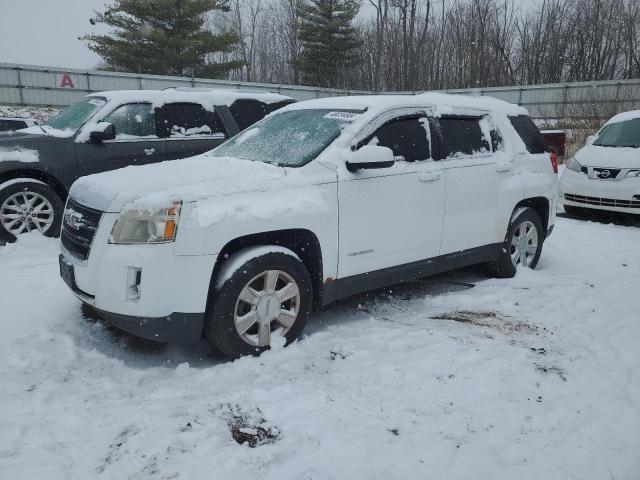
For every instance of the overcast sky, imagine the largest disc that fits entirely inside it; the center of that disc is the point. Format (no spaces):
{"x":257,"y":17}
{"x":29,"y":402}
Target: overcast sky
{"x":45,"y":32}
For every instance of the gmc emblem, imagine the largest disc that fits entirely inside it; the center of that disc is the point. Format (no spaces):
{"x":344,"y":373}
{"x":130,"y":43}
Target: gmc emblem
{"x":73,"y":218}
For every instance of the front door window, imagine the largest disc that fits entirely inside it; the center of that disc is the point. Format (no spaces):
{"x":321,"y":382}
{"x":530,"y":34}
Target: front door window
{"x":133,"y":120}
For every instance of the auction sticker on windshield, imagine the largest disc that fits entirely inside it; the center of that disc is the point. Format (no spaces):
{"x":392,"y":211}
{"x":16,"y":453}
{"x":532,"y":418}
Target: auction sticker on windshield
{"x":342,"y":116}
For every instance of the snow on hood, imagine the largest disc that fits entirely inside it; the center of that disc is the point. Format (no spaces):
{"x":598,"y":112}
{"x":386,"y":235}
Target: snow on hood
{"x":47,"y":130}
{"x":19,"y":154}
{"x":608,"y":157}
{"x":189,"y":180}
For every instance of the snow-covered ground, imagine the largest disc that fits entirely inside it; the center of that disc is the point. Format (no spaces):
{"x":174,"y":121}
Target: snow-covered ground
{"x":455,"y":377}
{"x":40,"y":114}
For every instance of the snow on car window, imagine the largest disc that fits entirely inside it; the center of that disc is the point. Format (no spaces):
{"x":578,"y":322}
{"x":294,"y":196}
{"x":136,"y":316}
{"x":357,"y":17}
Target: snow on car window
{"x":133,"y":120}
{"x":288,"y":139}
{"x":74,"y":116}
{"x":620,"y":134}
{"x":178,"y":131}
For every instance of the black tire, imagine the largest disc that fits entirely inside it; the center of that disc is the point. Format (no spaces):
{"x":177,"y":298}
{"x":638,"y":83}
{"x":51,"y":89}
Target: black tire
{"x":220,"y":326}
{"x":42,"y":189}
{"x":503,"y":267}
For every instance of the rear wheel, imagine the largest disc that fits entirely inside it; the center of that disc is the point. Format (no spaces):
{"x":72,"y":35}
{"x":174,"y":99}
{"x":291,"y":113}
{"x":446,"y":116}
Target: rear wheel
{"x":265,"y":299}
{"x":523,"y":244}
{"x":27,"y":206}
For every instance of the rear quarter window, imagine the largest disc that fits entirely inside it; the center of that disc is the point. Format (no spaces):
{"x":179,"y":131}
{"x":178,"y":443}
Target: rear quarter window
{"x":246,"y":112}
{"x":529,"y":133}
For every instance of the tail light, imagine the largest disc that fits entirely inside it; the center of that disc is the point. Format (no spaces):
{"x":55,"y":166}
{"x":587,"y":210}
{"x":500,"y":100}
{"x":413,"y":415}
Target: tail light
{"x":554,"y":161}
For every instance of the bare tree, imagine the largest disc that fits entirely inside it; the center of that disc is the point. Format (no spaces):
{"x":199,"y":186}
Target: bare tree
{"x":436,"y":44}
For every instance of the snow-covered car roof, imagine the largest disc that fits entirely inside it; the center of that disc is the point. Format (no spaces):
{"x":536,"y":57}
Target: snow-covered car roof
{"x":625,"y":116}
{"x":441,"y":103}
{"x":206,"y":97}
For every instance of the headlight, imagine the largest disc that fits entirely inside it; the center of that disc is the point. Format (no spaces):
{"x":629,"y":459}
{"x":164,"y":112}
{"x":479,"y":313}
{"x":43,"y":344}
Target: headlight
{"x":142,"y":225}
{"x":632,"y":174}
{"x":574,"y":165}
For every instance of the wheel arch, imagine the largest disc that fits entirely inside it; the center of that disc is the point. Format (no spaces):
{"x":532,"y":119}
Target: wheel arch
{"x":304,"y":243}
{"x":541,"y":206}
{"x":34,"y":174}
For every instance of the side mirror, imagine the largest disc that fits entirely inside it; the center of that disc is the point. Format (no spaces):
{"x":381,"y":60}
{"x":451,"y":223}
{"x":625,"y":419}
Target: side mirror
{"x":102,"y":131}
{"x":371,"y":156}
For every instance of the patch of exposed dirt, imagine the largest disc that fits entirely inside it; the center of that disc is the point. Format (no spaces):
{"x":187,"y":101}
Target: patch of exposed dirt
{"x":487,"y":318}
{"x":250,"y":428}
{"x":552,"y":370}
{"x":116,"y":447}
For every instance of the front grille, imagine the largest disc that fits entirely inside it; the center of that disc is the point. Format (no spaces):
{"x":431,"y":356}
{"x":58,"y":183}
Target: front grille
{"x":79,"y":225}
{"x":603,"y":202}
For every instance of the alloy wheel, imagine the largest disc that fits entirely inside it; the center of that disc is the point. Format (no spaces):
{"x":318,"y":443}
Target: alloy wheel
{"x":26,"y":211}
{"x":267,"y":305}
{"x":524,"y":244}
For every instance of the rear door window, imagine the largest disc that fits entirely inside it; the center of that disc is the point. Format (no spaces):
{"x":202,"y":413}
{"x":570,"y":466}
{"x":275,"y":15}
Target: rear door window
{"x":189,"y":120}
{"x":133,"y":120}
{"x":464,"y":136}
{"x":529,"y":133}
{"x":406,"y":137}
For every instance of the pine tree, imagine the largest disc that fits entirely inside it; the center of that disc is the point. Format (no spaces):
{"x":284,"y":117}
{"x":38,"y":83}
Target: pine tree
{"x":165,"y":37}
{"x":329,"y":40}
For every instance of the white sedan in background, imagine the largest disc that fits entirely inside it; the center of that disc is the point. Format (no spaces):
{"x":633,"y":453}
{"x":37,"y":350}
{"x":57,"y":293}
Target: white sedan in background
{"x":605,"y":173}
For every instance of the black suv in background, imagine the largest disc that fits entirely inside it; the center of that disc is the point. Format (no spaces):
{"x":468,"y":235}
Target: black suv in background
{"x":110,"y":130}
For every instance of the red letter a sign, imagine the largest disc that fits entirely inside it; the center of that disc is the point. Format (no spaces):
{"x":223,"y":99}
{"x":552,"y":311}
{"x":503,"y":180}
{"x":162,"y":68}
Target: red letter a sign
{"x":66,"y":81}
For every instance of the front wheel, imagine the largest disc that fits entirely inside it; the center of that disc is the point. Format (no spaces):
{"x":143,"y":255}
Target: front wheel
{"x":265,"y":299}
{"x":28,"y":205}
{"x":523,"y":244}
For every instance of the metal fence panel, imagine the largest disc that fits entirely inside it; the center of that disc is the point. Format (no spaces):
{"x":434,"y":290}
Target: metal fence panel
{"x":55,"y":86}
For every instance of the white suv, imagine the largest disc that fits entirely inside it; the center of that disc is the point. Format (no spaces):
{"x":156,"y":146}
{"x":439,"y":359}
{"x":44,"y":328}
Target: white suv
{"x":605,"y":173}
{"x":320,"y":200}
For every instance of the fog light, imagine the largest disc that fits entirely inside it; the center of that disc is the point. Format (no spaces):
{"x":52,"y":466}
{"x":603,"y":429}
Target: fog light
{"x":134,"y":277}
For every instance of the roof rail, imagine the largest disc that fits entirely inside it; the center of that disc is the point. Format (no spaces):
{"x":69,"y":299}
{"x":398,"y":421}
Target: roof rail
{"x":215,"y":89}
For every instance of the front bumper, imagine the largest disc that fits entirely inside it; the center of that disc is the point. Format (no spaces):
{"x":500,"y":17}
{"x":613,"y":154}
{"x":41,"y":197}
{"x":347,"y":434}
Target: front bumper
{"x":146,"y":290}
{"x":174,"y":328}
{"x":578,"y":190}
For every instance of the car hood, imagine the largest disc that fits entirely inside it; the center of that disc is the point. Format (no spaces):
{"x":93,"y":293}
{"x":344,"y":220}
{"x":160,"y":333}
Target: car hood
{"x":19,"y":141}
{"x":188,"y":180}
{"x":608,"y":157}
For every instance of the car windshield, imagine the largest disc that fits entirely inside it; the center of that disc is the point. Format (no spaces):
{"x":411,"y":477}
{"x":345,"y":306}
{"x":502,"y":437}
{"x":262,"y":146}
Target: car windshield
{"x":74,"y":116}
{"x":621,"y":134}
{"x":288,"y":139}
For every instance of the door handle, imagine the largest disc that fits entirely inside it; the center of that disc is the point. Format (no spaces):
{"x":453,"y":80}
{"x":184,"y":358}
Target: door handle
{"x":503,"y":167}
{"x":149,"y":151}
{"x":429,"y":176}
